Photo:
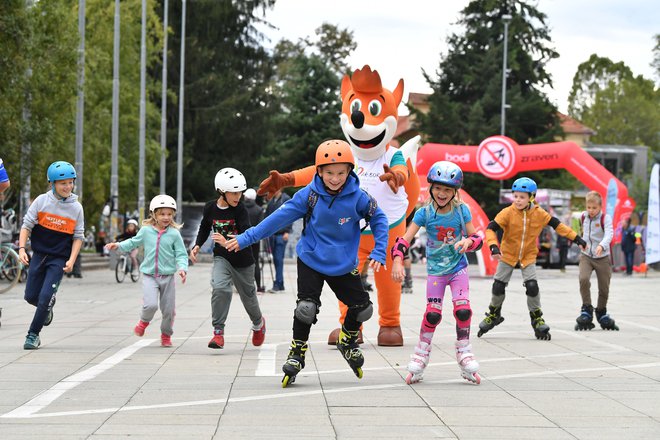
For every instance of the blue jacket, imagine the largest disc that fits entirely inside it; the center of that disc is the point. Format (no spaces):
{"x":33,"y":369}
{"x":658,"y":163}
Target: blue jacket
{"x":331,"y":239}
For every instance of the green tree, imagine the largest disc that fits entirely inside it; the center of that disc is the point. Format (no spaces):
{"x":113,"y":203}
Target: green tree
{"x":307,"y":88}
{"x":37,"y":86}
{"x":466,"y":99}
{"x":592,"y":76}
{"x":98,"y":103}
{"x":656,"y":57}
{"x":227,"y":102}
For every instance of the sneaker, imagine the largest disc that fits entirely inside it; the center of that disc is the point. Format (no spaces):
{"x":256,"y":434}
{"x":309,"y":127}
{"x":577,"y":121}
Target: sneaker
{"x":32,"y":341}
{"x":165,"y":340}
{"x":140,"y":327}
{"x":258,"y":335}
{"x":261,"y":289}
{"x":218,"y":340}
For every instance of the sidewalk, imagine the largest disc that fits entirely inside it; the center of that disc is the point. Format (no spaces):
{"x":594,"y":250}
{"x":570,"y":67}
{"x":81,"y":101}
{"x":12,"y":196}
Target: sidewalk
{"x":92,"y":379}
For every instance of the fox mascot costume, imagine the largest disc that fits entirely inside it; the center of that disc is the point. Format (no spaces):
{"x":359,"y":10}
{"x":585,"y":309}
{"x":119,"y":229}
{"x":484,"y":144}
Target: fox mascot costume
{"x":369,"y":120}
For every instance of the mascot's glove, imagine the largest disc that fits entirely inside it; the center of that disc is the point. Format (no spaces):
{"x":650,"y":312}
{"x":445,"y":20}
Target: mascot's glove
{"x":580,"y":241}
{"x":393,"y":179}
{"x":495,"y":250}
{"x":275,"y":182}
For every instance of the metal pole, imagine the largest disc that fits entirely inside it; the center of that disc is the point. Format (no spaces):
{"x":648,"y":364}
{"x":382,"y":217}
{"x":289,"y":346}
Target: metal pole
{"x":506,"y":18}
{"x":179,"y":157}
{"x":26,"y":150}
{"x":80,"y":107}
{"x":163,"y":106}
{"x":143,"y":106}
{"x":114,"y":177}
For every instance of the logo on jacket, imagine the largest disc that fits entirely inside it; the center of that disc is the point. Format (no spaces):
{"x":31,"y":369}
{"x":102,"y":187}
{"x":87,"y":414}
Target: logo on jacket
{"x":344,"y":220}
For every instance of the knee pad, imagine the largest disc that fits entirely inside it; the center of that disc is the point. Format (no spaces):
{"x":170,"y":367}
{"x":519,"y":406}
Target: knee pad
{"x":361,"y":312}
{"x":433,"y":315}
{"x":462,"y":310}
{"x":306,"y":311}
{"x":499,"y":287}
{"x":531,"y":288}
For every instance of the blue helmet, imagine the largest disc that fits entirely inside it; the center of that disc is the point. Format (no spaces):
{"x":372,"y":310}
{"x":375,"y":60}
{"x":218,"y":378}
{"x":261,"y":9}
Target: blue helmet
{"x":524,"y":184}
{"x":445,"y":173}
{"x":60,"y":170}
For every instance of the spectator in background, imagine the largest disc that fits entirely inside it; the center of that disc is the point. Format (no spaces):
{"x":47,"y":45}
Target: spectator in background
{"x":256,"y":214}
{"x":628,"y":244}
{"x":278,"y":241}
{"x":4,"y":178}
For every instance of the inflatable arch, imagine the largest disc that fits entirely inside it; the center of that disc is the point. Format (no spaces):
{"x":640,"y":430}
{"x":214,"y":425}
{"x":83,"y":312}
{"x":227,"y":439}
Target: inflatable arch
{"x":499,"y":157}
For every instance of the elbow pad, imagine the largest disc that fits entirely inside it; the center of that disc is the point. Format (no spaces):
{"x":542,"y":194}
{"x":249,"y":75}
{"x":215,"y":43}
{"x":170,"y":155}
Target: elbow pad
{"x":493,"y":226}
{"x":554,"y":222}
{"x":400,"y":248}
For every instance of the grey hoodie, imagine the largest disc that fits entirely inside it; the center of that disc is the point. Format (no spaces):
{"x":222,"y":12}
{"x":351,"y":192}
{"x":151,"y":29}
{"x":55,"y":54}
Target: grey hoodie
{"x":54,"y":224}
{"x":596,"y":234}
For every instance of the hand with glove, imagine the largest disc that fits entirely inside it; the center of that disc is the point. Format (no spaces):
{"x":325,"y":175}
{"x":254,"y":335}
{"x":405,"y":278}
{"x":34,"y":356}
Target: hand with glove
{"x":393,"y":178}
{"x":275,"y":182}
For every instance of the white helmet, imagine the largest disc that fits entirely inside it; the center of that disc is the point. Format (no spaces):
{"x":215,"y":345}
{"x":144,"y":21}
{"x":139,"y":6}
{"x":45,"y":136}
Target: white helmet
{"x":162,"y":201}
{"x":230,"y":180}
{"x":250,"y":194}
{"x":132,"y":222}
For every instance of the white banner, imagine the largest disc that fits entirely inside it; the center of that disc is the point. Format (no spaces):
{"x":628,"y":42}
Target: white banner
{"x":653,"y":228}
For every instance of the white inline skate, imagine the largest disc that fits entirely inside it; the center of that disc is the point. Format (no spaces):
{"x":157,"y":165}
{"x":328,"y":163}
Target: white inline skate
{"x":418,"y":362}
{"x":467,"y":362}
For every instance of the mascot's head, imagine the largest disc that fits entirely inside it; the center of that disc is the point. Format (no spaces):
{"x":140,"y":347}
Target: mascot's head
{"x":369,"y":113}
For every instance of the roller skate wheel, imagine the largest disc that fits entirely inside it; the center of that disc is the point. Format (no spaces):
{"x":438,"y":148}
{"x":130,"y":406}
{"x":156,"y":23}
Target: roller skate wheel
{"x":477,"y":378}
{"x":481,"y":332}
{"x":287,"y":380}
{"x":411,"y":378}
{"x":359,"y":373}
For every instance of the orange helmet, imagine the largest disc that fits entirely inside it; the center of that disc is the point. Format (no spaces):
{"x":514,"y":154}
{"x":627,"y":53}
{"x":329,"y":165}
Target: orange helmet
{"x":334,"y":151}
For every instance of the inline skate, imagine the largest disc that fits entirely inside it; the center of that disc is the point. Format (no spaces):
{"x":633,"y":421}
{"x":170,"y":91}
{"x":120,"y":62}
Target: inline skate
{"x":348,"y":346}
{"x":467,"y":362}
{"x":493,"y":318}
{"x":586,"y":318}
{"x":605,"y":321}
{"x":294,"y":362}
{"x":541,"y":329}
{"x":418,"y":362}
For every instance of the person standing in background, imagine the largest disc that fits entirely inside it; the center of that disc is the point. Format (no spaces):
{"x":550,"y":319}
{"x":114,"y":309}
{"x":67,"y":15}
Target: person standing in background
{"x":278,"y":241}
{"x":256,"y":214}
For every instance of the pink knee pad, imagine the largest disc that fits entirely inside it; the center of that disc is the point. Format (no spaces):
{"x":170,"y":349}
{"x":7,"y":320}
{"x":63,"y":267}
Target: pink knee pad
{"x":462,"y":313}
{"x":432,"y":317}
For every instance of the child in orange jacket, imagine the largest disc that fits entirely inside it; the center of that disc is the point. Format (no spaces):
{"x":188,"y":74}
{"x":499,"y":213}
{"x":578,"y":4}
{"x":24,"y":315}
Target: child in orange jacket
{"x":521,"y":224}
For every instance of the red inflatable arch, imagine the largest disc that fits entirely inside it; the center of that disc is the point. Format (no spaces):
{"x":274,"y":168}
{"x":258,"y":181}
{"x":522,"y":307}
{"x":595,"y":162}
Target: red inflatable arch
{"x":499,"y":157}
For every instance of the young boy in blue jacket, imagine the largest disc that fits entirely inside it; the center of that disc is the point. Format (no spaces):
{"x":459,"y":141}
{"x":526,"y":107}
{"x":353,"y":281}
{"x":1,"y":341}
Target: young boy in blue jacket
{"x":333,"y":206}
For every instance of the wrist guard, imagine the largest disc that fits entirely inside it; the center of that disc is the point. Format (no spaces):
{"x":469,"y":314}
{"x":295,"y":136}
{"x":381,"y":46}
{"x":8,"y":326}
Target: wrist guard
{"x":494,"y":249}
{"x":400,"y":248}
{"x":580,"y":241}
{"x":477,"y":242}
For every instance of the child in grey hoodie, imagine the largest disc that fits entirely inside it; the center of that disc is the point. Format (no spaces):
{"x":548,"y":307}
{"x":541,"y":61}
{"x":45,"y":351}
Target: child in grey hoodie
{"x":55,"y":224}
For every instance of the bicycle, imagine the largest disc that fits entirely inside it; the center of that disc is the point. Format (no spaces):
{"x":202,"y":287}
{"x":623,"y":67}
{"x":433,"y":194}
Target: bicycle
{"x":11,"y":267}
{"x":125,"y":266}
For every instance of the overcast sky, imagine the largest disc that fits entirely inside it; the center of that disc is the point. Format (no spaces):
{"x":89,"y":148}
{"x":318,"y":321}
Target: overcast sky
{"x":400,"y":38}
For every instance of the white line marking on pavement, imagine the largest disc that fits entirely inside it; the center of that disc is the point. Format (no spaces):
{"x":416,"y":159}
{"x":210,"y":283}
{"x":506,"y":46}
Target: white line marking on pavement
{"x":283,"y":394}
{"x":47,"y":397}
{"x":579,"y":335}
{"x":642,"y":326}
{"x":266,"y":364}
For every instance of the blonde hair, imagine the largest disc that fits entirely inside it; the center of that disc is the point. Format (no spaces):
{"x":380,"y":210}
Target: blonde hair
{"x":151,"y":220}
{"x":594,"y":196}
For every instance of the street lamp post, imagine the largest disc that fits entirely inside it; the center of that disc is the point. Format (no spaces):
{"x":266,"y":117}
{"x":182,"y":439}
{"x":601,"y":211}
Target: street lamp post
{"x":506,"y":19}
{"x":179,"y":156}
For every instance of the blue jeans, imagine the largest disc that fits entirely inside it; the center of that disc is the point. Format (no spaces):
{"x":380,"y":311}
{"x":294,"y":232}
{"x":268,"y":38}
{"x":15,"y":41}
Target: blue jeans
{"x":277,"y":248}
{"x":630,"y":257}
{"x":44,"y":278}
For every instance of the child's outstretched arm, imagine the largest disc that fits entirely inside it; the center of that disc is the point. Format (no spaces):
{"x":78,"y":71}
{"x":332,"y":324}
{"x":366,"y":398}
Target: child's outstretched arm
{"x":566,"y":231}
{"x":472,"y":242}
{"x":400,"y":248}
{"x":128,"y":245}
{"x":379,"y":227}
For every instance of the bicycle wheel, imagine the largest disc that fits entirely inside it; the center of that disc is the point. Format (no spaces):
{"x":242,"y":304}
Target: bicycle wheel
{"x":10,"y":267}
{"x":135,"y":272}
{"x":120,"y":269}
